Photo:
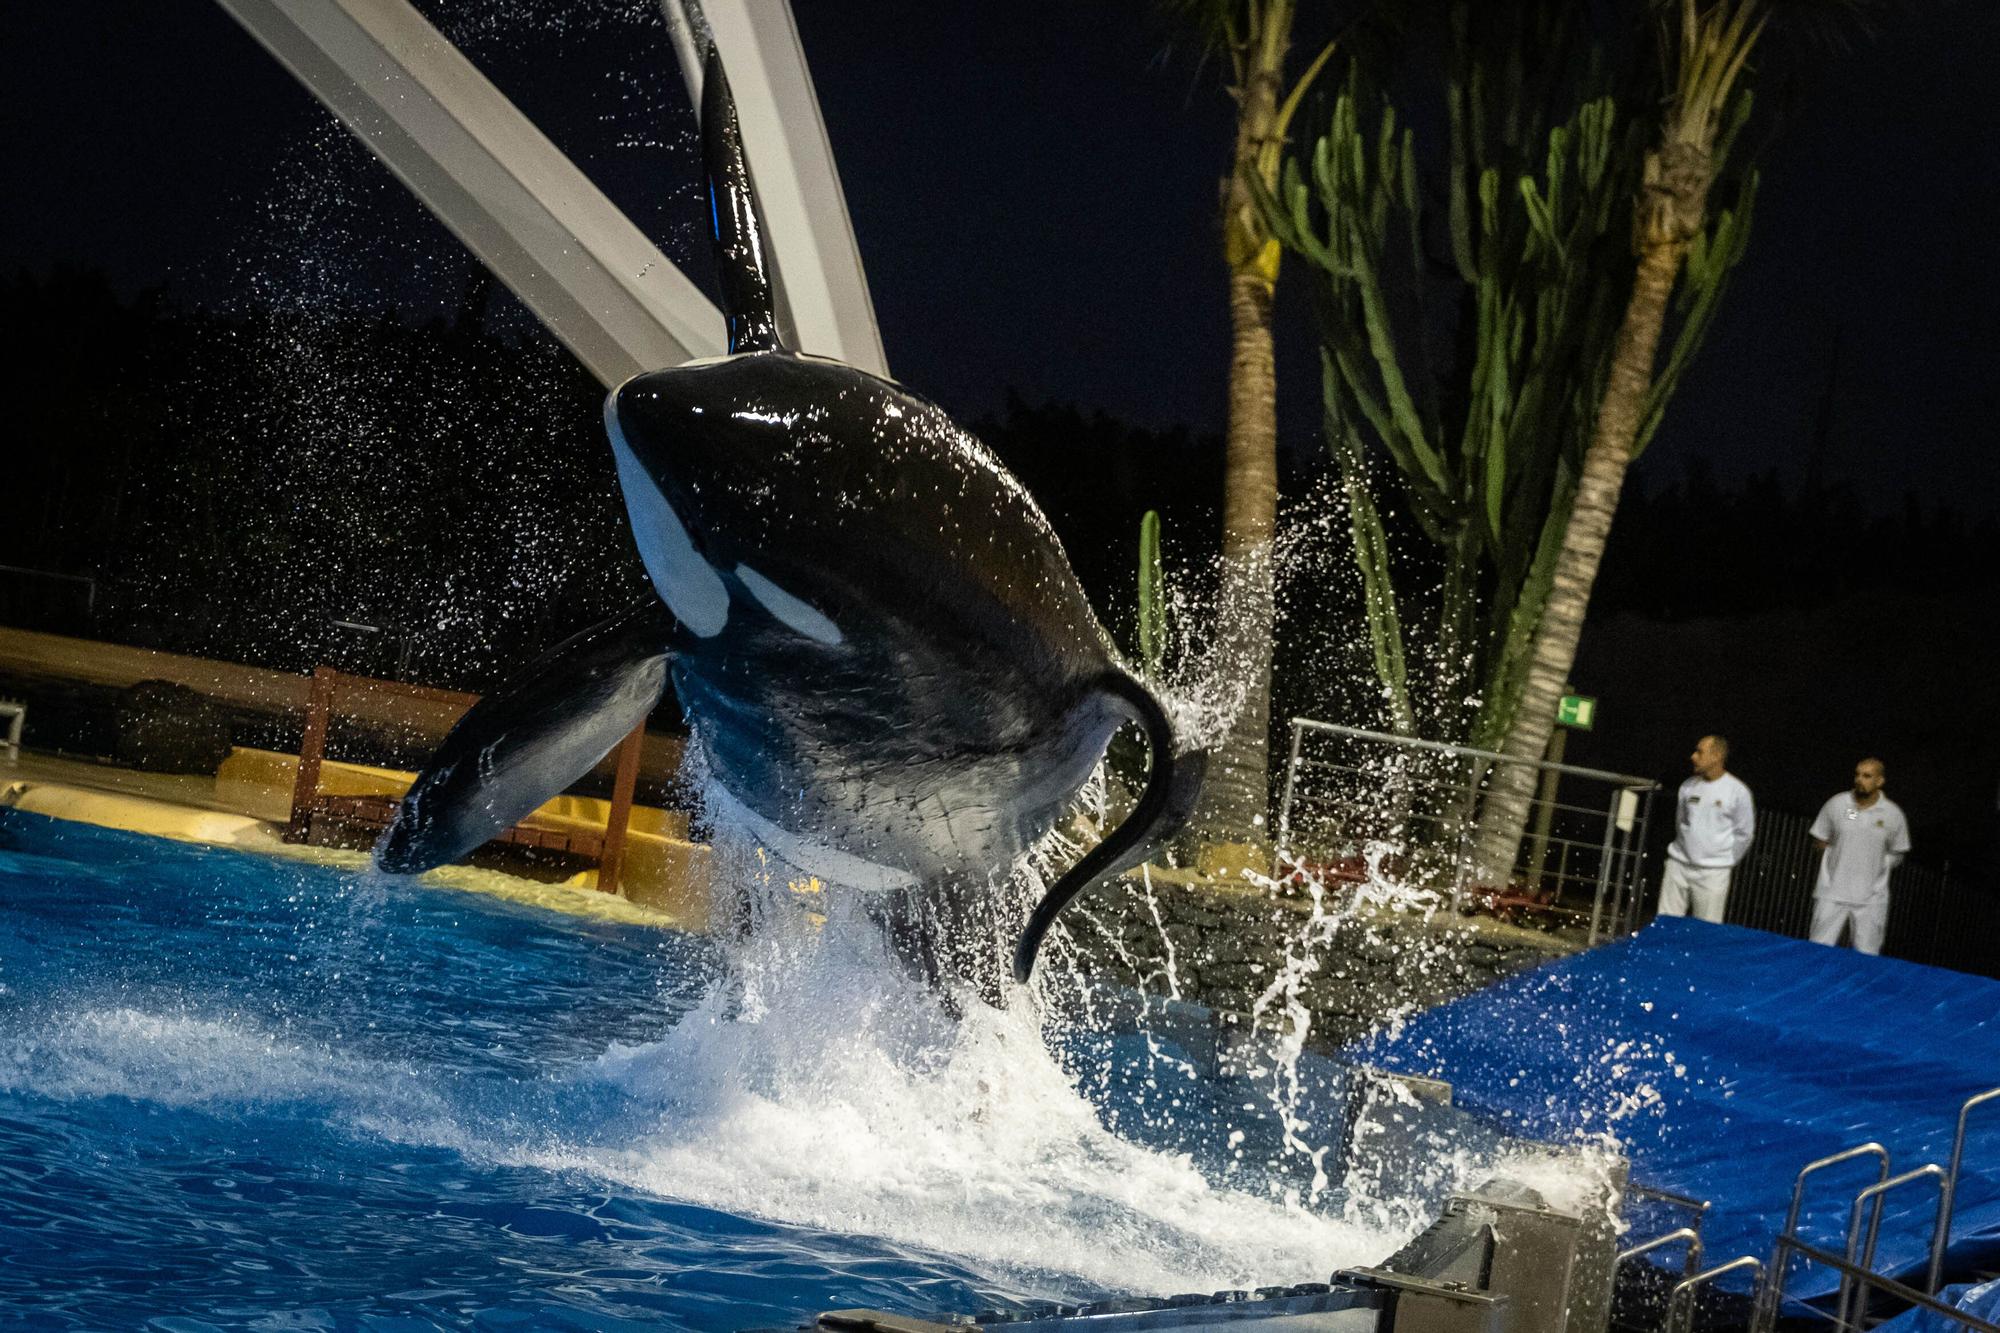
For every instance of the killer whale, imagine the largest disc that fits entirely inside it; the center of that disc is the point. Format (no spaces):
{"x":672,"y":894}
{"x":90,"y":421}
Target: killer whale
{"x":874,"y":632}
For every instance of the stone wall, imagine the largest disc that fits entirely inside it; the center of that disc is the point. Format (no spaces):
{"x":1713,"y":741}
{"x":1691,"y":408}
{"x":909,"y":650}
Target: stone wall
{"x":1352,"y":967}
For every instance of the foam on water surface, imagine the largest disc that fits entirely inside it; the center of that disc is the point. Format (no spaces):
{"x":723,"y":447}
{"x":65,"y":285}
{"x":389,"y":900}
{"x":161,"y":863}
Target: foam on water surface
{"x":849,"y":1104}
{"x":809,"y":1084}
{"x":846,"y":1101}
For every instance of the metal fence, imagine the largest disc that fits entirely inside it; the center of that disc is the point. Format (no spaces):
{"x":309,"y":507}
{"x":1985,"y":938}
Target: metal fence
{"x":1412,"y":806}
{"x":41,"y":599}
{"x":1353,"y":797}
{"x":1933,"y":918}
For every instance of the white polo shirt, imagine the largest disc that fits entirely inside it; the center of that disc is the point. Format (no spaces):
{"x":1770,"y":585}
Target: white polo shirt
{"x":1864,"y":843}
{"x":1713,"y":822}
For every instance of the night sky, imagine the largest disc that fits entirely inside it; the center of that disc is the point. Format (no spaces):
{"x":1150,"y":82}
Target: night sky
{"x":1033,"y":188}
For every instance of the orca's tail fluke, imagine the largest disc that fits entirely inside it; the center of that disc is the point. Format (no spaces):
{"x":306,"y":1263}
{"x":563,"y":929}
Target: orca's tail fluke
{"x":525,"y":743}
{"x":1173,"y":784}
{"x":749,"y":303}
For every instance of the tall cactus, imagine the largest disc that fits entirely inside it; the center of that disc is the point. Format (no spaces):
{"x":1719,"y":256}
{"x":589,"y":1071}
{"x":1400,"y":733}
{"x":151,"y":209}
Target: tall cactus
{"x":1153,"y":630}
{"x":1467,"y":294}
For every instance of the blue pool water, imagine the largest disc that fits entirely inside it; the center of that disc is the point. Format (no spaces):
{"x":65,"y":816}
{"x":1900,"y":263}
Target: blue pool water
{"x":244,"y":1092}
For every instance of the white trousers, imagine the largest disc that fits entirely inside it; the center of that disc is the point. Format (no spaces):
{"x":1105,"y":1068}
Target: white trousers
{"x":1870,"y":921}
{"x":1705,"y":889}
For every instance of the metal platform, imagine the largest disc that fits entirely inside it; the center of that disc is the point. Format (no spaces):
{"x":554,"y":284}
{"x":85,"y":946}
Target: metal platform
{"x":1498,"y":1260}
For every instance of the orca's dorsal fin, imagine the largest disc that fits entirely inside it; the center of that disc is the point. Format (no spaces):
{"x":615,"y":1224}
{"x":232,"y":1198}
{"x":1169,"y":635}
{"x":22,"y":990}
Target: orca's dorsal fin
{"x":748,"y":299}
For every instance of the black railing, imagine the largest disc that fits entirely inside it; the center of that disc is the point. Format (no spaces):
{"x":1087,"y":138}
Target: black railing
{"x":1933,"y":918}
{"x":41,"y":599}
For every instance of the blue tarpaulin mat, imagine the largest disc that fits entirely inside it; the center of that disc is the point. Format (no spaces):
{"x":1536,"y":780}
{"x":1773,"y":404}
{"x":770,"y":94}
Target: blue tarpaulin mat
{"x":1724,"y":1060}
{"x":1979,"y":1299}
{"x":1982,"y":1300}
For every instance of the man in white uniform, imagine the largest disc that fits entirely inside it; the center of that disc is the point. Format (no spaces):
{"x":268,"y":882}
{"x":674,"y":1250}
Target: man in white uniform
{"x":1714,"y":821}
{"x":1865,"y":837}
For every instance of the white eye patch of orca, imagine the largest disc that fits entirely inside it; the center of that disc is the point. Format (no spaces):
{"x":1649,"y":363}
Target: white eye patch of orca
{"x":692,"y":590}
{"x":790,"y":611}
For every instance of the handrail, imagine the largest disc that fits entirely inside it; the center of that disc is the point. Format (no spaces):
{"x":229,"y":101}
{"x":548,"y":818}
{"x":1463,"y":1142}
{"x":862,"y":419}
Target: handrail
{"x":1380,"y":787}
{"x":1774,"y":1291}
{"x":1688,"y":1234}
{"x":1687,"y":1203}
{"x":328,"y":684}
{"x":1799,"y":1182}
{"x":1699,"y":1207}
{"x":1942,"y":1239}
{"x":89,"y":583}
{"x":1454,"y":788}
{"x":1702,"y":1279}
{"x":1876,"y":1192}
{"x":1291,"y":786}
{"x":1412,"y":742}
{"x":1767,"y":1319}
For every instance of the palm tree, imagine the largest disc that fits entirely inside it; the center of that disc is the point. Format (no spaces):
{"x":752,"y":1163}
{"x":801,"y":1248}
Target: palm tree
{"x":1255,"y":35}
{"x":1706,"y":47}
{"x":1467,"y":287}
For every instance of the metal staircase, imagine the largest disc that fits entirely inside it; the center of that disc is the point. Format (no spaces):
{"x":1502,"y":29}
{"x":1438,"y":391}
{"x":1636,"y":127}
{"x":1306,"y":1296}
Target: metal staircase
{"x":1855,"y":1264}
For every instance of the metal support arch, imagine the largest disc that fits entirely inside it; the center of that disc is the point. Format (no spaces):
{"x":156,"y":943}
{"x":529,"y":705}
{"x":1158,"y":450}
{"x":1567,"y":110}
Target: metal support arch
{"x":539,"y":223}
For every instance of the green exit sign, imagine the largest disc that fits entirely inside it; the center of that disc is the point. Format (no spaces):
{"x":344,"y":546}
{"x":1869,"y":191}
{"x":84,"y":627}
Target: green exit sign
{"x":1577,"y":710}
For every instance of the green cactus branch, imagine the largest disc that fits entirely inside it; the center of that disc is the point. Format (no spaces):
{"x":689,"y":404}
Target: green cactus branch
{"x":1467,"y":295}
{"x":1153,"y":628}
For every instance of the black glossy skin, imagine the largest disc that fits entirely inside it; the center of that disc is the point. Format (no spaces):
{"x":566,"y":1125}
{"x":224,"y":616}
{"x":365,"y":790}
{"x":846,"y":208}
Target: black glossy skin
{"x":880,"y":643}
{"x":962,"y":707}
{"x":524,"y":743}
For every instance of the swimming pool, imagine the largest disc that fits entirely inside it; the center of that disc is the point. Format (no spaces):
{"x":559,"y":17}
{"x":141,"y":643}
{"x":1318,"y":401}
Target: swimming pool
{"x":244,"y":1092}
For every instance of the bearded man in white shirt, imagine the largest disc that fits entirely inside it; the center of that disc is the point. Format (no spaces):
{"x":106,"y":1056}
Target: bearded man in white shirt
{"x":1714,"y":821}
{"x":1865,"y":837}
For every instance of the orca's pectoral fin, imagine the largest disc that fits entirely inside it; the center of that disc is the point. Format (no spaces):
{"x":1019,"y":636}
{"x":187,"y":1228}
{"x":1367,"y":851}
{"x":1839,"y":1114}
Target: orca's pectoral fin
{"x":1173,"y":785}
{"x":526,"y":742}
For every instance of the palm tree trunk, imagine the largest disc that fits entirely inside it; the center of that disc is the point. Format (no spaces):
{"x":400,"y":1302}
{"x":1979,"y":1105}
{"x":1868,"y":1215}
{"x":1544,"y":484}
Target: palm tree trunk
{"x":1237,"y":794}
{"x":1238,"y":789}
{"x":1713,"y":48}
{"x":1505,"y":815}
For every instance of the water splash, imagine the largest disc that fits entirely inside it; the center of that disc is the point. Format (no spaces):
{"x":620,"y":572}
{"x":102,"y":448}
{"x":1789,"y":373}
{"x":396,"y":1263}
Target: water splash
{"x":842,"y":1098}
{"x":818,"y":1083}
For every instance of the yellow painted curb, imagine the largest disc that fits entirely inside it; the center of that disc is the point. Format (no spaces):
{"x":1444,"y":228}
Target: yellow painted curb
{"x":671,"y":876}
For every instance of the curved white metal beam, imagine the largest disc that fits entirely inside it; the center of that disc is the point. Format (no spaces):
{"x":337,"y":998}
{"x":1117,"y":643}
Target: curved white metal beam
{"x":539,"y":223}
{"x":823,"y":301}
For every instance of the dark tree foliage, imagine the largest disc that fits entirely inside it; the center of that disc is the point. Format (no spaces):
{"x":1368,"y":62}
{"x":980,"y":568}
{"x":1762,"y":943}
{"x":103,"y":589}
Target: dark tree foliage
{"x":234,"y":485}
{"x":1696,"y":549}
{"x":1095,"y":477}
